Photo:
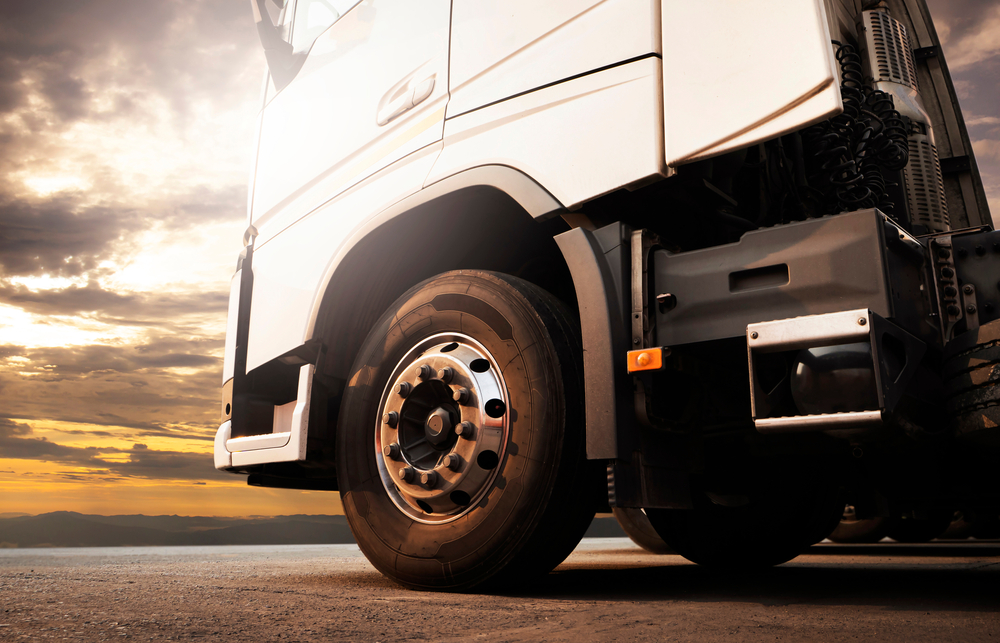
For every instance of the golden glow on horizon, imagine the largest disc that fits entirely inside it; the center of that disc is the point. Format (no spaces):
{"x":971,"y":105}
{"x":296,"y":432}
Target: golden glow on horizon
{"x":82,"y":435}
{"x":39,"y":486}
{"x":34,"y":488}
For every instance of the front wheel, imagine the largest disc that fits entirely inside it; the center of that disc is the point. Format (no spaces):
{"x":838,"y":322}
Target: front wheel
{"x":460,"y":440}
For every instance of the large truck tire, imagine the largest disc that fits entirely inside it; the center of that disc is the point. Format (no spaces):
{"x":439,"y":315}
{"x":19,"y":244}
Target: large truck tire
{"x":986,"y":525}
{"x":854,"y":530}
{"x":772,"y":528}
{"x":961,"y":527}
{"x":461,"y":453}
{"x":972,"y":380}
{"x":636,"y":526}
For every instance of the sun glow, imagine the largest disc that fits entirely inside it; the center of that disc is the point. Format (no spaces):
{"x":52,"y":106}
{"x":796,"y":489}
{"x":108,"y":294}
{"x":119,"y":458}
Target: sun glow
{"x":51,"y":184}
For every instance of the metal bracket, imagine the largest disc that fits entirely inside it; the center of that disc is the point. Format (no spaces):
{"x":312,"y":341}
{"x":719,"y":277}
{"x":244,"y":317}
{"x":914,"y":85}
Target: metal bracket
{"x":944,"y":280}
{"x":969,"y":307}
{"x":642,"y":243}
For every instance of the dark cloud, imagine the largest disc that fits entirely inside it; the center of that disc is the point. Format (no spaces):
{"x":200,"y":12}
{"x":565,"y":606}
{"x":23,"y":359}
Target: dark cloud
{"x":10,"y":428}
{"x":960,"y":16}
{"x":168,"y":386}
{"x":57,"y":237}
{"x":126,"y":308}
{"x":14,"y":443}
{"x":96,"y":358}
{"x":17,"y":442}
{"x":179,"y":49}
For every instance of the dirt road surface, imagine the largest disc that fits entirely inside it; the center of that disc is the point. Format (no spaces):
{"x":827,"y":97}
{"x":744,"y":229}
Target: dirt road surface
{"x":608,"y":590}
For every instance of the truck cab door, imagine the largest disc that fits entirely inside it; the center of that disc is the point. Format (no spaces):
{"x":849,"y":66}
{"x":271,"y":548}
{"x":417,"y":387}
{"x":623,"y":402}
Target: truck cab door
{"x":372,"y":89}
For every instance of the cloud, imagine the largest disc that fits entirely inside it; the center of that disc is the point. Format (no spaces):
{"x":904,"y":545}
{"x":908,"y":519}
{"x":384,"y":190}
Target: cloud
{"x":58,"y":238}
{"x":127,"y":308}
{"x":973,"y":36}
{"x":70,"y":53}
{"x":987,"y":150}
{"x":16,"y":442}
{"x":973,"y":120}
{"x":167,"y":386}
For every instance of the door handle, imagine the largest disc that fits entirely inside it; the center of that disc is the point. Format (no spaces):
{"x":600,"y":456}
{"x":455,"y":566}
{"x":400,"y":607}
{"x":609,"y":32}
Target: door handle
{"x":400,"y":99}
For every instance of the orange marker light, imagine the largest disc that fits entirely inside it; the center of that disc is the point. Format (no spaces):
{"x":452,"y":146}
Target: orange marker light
{"x":647,"y":359}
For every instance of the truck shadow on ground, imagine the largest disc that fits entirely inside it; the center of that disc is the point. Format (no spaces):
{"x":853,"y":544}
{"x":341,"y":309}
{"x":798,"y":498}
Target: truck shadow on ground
{"x":903,"y":583}
{"x":957,"y":549}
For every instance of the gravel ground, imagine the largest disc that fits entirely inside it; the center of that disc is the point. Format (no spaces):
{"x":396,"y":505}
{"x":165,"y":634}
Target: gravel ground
{"x":608,"y":590}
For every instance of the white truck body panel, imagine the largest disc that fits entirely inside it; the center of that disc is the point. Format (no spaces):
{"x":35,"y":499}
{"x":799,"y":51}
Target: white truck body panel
{"x":502,"y":49}
{"x":718,"y":56}
{"x":619,"y":108}
{"x":293,"y":267}
{"x":321,"y":134}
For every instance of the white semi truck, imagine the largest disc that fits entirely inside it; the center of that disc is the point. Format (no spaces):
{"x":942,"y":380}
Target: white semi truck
{"x":725,"y":263}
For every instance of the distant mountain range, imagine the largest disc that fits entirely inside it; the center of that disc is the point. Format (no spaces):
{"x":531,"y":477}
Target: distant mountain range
{"x":71,"y":529}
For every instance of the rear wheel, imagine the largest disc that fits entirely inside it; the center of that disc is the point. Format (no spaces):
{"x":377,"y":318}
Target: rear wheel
{"x":636,"y":526}
{"x":859,"y":530}
{"x":460,"y":440}
{"x":910,"y":530}
{"x":767,"y":529}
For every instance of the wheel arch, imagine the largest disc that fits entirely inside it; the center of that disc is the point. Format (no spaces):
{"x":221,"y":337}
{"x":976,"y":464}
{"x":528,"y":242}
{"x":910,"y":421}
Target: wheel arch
{"x":451,"y":224}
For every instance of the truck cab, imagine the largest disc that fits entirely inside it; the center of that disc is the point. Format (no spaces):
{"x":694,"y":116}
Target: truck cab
{"x":728,"y":264}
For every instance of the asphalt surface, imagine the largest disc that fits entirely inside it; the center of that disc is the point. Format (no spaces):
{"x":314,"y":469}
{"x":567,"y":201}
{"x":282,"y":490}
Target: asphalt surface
{"x":608,"y":590}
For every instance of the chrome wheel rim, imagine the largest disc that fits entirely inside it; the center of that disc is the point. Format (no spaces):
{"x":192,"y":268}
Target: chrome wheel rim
{"x":442,"y":428}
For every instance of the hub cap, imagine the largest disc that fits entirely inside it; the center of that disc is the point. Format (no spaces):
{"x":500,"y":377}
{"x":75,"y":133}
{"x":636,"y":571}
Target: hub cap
{"x":442,"y":428}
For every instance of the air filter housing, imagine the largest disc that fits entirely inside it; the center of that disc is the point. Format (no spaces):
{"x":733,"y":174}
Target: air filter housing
{"x":885,"y":47}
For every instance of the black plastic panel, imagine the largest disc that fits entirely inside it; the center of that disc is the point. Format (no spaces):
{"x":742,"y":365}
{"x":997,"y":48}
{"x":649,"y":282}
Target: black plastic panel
{"x":598,"y":263}
{"x":806,"y":268}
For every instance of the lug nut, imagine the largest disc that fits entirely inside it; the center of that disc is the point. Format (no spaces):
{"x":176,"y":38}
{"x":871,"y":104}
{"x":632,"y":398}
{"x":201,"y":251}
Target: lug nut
{"x":391,"y":418}
{"x":406,"y":474}
{"x":452,"y":461}
{"x":404,"y":389}
{"x":391,"y":451}
{"x":424,"y":371}
{"x":429,"y":478}
{"x":465,"y":429}
{"x":461,"y":395}
{"x":446,"y":374}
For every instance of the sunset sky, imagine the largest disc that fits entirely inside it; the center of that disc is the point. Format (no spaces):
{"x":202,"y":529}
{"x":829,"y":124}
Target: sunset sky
{"x":125,"y":128}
